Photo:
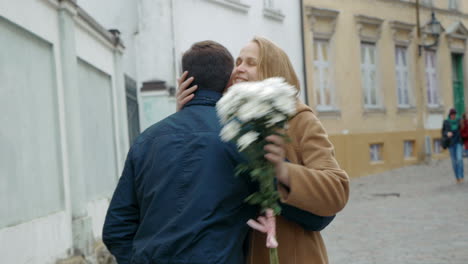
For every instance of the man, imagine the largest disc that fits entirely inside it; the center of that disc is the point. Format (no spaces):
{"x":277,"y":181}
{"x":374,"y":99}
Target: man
{"x":178,"y":200}
{"x":452,"y":140}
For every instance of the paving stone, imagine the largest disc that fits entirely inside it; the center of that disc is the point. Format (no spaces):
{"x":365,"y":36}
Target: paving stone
{"x":413,"y":215}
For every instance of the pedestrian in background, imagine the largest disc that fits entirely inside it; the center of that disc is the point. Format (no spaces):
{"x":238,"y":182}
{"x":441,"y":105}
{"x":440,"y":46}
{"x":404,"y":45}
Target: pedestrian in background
{"x":464,"y":134}
{"x":451,"y":137}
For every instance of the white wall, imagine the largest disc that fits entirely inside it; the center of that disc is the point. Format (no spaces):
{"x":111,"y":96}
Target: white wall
{"x":159,"y":50}
{"x":45,"y":235}
{"x":155,"y":42}
{"x":42,"y":240}
{"x":29,"y":126}
{"x":34,"y":157}
{"x":164,"y":29}
{"x":155,"y":106}
{"x":198,"y":20}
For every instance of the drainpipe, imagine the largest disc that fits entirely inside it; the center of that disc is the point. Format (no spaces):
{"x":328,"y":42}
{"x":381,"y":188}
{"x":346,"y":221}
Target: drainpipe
{"x":173,"y":40}
{"x":418,"y":29}
{"x":423,"y":154}
{"x":304,"y":69}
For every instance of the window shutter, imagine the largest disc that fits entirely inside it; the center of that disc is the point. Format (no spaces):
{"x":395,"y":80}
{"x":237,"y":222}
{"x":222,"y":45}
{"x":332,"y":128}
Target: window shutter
{"x":323,"y":86}
{"x":431,"y":79}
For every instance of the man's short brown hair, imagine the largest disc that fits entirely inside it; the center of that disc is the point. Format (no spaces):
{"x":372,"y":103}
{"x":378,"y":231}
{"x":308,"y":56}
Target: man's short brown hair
{"x":210,"y":63}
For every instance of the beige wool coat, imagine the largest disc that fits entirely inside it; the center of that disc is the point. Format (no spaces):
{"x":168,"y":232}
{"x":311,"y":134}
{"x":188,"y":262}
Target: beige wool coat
{"x":317,"y":185}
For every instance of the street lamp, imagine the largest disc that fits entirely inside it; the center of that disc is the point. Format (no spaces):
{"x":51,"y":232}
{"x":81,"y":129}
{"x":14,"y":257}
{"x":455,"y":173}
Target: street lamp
{"x":435,"y":29}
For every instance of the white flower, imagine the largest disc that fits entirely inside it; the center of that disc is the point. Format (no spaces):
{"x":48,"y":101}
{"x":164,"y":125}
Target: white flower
{"x":230,"y":130}
{"x":250,"y":101}
{"x":225,"y":108}
{"x":245,"y":140}
{"x":285,"y":105}
{"x":274,"y":119}
{"x":253,"y":109}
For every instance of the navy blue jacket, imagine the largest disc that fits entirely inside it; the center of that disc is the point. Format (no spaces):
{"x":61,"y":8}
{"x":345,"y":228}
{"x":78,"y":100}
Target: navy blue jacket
{"x":178,"y":200}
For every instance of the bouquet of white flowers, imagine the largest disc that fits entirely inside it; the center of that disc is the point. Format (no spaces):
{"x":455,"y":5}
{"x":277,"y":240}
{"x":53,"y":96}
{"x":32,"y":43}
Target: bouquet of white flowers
{"x":249,"y":113}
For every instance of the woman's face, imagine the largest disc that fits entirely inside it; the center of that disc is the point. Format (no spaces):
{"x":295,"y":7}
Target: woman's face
{"x":246,"y":64}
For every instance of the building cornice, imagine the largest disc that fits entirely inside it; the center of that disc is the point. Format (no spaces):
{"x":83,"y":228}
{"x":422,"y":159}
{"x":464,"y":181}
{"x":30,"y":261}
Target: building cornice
{"x":457,"y":31}
{"x":113,"y":39}
{"x":402,"y":26}
{"x":429,"y":8}
{"x":232,"y":4}
{"x":322,"y":16}
{"x":322,"y":12}
{"x":69,"y":6}
{"x":274,"y":14}
{"x":369,"y":28}
{"x":402,"y":32}
{"x":368,"y":20}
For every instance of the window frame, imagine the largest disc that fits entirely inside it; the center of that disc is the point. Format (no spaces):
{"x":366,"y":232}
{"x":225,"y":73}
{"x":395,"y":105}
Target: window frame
{"x":376,"y":150}
{"x":323,"y":84}
{"x":437,"y":146}
{"x":367,"y":84}
{"x":432,"y":80}
{"x":411,"y":144}
{"x":453,"y":4}
{"x":404,"y":95}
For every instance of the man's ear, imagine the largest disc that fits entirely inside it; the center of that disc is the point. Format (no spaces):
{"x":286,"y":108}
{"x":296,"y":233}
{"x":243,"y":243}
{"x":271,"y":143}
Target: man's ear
{"x":229,"y":84}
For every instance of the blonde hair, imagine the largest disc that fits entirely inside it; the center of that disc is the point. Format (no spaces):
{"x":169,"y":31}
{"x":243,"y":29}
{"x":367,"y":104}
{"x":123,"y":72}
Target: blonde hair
{"x":274,"y":62}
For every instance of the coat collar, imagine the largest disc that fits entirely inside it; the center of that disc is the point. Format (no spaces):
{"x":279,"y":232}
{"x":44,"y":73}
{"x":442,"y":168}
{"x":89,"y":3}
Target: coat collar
{"x":205,"y":97}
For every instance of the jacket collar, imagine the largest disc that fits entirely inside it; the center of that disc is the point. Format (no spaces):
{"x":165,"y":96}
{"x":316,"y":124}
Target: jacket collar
{"x":205,"y":97}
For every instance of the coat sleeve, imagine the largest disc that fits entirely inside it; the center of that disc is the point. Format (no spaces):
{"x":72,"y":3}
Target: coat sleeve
{"x":444,"y":129}
{"x":317,"y":185}
{"x":122,"y":219}
{"x":464,"y":130}
{"x":307,"y":220}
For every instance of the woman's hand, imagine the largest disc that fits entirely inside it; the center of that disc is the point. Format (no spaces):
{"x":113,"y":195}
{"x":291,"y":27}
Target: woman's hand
{"x":276,"y":155}
{"x":184,"y":95}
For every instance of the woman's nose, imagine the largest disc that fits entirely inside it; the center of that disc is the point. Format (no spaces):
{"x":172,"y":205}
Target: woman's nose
{"x":240,"y":68}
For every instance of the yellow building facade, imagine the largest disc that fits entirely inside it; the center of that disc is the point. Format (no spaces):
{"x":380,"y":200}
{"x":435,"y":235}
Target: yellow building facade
{"x":380,"y":86}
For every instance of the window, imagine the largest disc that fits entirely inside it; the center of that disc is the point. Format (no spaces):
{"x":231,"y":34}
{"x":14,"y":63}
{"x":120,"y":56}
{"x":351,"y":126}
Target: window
{"x":402,"y":76}
{"x":369,"y":74}
{"x":453,"y":4}
{"x":272,"y":12}
{"x":437,"y":146}
{"x":431,"y":79}
{"x":408,"y":149}
{"x":376,"y":152}
{"x":269,"y":4}
{"x":428,"y":2}
{"x":322,"y":77}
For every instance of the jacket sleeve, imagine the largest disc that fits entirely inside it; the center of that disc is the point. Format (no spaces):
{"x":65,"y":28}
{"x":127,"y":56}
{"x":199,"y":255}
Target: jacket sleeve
{"x":307,"y":220}
{"x":444,"y":128}
{"x":464,"y":130}
{"x":317,"y":185}
{"x":122,"y":219}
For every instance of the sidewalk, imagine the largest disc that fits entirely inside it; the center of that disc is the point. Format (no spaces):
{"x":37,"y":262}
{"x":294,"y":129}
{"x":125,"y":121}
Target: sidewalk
{"x":413,"y":215}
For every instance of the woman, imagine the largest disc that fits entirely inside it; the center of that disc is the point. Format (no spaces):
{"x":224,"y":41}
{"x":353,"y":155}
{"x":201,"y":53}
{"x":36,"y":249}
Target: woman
{"x":452,"y":136}
{"x":312,"y":179}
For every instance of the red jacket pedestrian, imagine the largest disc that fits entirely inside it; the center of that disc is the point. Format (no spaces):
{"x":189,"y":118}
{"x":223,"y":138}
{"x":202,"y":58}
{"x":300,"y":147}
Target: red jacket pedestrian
{"x":464,"y":131}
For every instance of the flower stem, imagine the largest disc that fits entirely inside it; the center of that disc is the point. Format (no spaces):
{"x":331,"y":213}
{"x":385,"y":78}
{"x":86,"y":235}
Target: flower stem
{"x":274,"y":256}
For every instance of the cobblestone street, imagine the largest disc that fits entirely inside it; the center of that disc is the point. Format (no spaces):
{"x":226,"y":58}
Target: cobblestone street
{"x":413,"y":215}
